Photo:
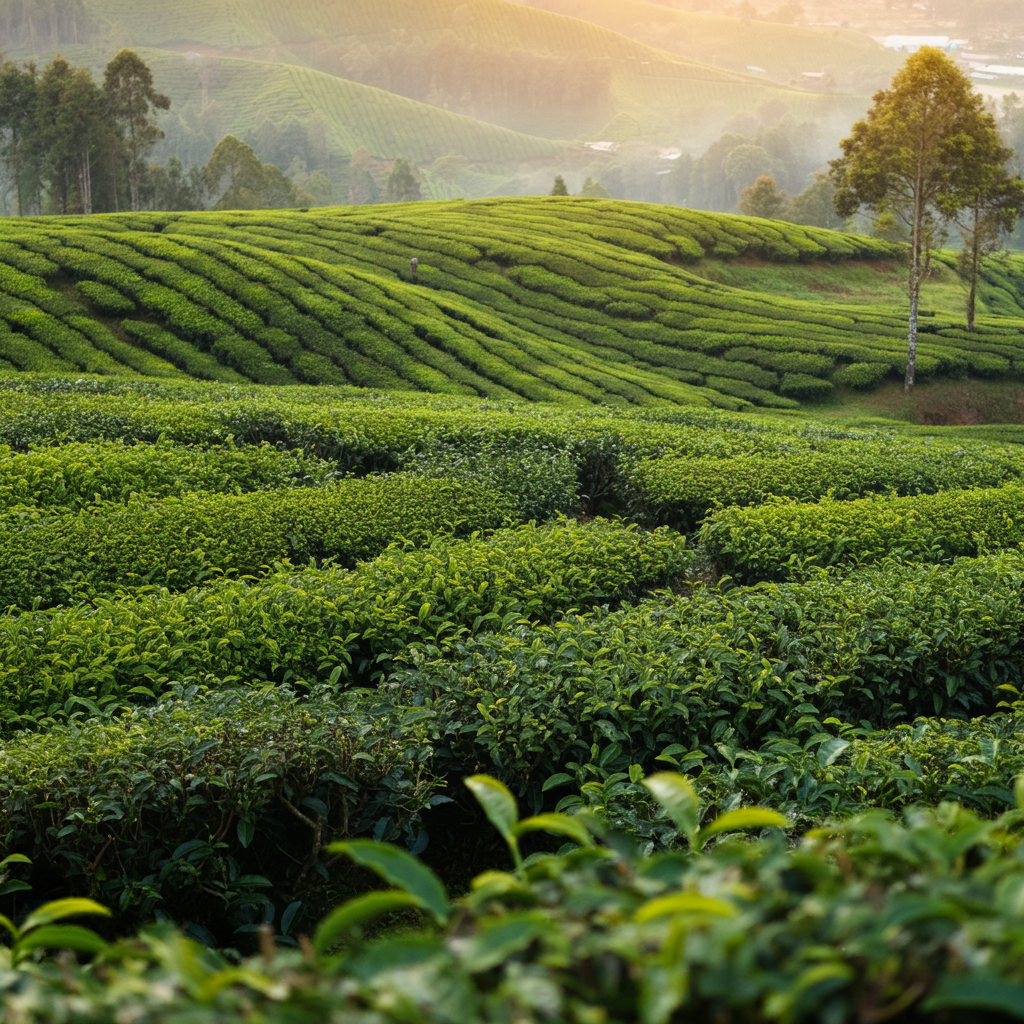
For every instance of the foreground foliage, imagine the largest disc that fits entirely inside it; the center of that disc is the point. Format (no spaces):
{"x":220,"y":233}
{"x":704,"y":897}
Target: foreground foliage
{"x":919,"y":920}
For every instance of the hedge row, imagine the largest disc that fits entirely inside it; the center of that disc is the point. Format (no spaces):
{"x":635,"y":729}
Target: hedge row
{"x":186,"y":808}
{"x":301,"y":626}
{"x":681,"y":491}
{"x":181,"y":541}
{"x":76,"y":474}
{"x":771,"y":541}
{"x":879,"y":647}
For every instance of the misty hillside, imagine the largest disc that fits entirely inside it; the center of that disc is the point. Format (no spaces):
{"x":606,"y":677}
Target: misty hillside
{"x":264,"y":71}
{"x":783,"y":53}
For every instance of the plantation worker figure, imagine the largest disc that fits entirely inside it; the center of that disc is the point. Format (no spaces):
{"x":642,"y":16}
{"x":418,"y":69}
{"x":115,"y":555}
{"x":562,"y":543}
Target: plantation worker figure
{"x":414,"y":263}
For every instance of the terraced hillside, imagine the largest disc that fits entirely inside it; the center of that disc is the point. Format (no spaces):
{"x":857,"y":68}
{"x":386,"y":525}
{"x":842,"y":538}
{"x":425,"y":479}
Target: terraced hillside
{"x":532,"y":71}
{"x":572,"y":301}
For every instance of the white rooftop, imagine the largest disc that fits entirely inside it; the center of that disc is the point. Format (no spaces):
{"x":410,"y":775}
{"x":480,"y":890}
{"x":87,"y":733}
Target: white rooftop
{"x":912,"y":43}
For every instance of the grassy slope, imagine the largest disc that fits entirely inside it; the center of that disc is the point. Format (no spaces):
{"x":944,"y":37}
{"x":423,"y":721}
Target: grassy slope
{"x":353,"y":115}
{"x":784,"y":51}
{"x":664,"y":92}
{"x":573,"y":301}
{"x":356,"y":115}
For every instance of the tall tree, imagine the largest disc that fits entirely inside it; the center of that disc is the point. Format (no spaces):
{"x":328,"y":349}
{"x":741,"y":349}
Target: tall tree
{"x":234,"y":160}
{"x":993,"y":209}
{"x":403,"y":186}
{"x":18,"y":98}
{"x":128,"y":84}
{"x":923,"y":146}
{"x":815,"y":205}
{"x":68,"y":130}
{"x":763,"y":199}
{"x":251,"y":184}
{"x":559,"y":188}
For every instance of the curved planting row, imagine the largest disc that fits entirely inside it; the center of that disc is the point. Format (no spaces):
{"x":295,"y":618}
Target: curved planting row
{"x":301,"y":626}
{"x":681,"y":491}
{"x":76,"y":474}
{"x":574,"y":302}
{"x":181,"y":541}
{"x":770,"y":542}
{"x":734,"y":669}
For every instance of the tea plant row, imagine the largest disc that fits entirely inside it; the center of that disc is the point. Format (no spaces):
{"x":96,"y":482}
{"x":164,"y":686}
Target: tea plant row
{"x":577,"y":302}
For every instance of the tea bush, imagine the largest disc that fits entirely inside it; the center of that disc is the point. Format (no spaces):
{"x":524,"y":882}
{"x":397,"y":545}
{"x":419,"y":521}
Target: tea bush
{"x":74,"y":475}
{"x":208,"y":807}
{"x":305,"y":625}
{"x":912,"y":920}
{"x":681,"y":491}
{"x":181,"y":541}
{"x":768,"y":541}
{"x":873,"y":649}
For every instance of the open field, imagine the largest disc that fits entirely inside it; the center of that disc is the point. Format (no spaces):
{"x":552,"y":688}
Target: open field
{"x":243,"y":622}
{"x":572,"y":301}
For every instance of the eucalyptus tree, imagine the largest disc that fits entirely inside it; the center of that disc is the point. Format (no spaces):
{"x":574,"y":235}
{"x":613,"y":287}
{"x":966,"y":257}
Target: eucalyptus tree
{"x":18,"y":97}
{"x":128,"y":85}
{"x":994,"y":206}
{"x":919,"y":155}
{"x":68,"y":131}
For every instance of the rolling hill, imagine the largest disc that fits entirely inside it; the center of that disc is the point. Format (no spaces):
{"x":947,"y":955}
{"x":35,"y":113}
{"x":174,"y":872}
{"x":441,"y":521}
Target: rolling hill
{"x":531,"y":71}
{"x":782,"y":52}
{"x":572,"y":301}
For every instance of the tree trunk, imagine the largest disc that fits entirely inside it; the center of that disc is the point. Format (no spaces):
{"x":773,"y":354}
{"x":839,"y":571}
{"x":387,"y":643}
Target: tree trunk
{"x":915,"y":280}
{"x":908,"y":379}
{"x":971,"y":294}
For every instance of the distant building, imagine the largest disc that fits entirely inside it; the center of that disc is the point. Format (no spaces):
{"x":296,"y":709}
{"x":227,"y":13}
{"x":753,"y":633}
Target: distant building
{"x":996,"y":70}
{"x":911,"y":44}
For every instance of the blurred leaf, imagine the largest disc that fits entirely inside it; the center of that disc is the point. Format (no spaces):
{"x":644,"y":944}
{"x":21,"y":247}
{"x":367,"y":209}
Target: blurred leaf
{"x":349,"y":915}
{"x":58,"y":909}
{"x":401,"y":869}
{"x":500,"y":807}
{"x":560,"y":824}
{"x":676,"y":794}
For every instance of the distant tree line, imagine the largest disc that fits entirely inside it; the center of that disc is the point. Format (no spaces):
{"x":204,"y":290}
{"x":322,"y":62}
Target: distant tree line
{"x":503,"y":85}
{"x":34,"y":25}
{"x":69,"y":144}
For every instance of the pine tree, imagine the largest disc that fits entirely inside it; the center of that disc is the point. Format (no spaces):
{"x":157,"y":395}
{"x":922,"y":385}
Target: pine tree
{"x":559,"y":188}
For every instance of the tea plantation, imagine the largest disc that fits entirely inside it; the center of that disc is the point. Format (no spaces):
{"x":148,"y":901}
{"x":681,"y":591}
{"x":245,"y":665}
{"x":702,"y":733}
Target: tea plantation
{"x":735,"y":697}
{"x":575,"y":302}
{"x":648,"y":701}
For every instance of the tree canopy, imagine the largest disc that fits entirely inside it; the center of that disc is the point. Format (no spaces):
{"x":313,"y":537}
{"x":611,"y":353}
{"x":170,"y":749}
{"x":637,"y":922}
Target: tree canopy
{"x":128,"y":87}
{"x":920,"y":154}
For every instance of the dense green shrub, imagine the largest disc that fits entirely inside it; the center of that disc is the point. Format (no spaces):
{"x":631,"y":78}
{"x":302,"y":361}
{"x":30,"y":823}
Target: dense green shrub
{"x":681,"y":491}
{"x":767,"y":542}
{"x":911,"y":919}
{"x":860,"y":375}
{"x":305,"y":625}
{"x":203,"y":807}
{"x":803,"y":385}
{"x":79,"y":473}
{"x":181,"y":541}
{"x":106,"y":299}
